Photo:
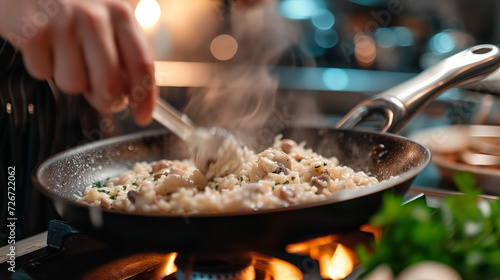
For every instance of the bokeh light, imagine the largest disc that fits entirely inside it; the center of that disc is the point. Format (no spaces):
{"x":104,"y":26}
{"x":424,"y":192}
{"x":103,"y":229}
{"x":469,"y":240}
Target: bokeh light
{"x":147,"y":12}
{"x":364,"y":50}
{"x":323,"y":19}
{"x":404,"y":36}
{"x":300,"y":9}
{"x":385,"y":38}
{"x":224,"y":47}
{"x":335,"y":79}
{"x":442,"y":43}
{"x":326,"y":38}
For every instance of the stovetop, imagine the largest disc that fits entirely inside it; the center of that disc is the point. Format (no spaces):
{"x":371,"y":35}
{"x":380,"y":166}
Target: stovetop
{"x":64,"y":252}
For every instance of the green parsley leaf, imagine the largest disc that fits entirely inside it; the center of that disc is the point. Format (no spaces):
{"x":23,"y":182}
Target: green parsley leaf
{"x":293,"y":178}
{"x":466,"y":183}
{"x":113,"y":197}
{"x":463,"y":232}
{"x":241,"y":179}
{"x":103,"y":191}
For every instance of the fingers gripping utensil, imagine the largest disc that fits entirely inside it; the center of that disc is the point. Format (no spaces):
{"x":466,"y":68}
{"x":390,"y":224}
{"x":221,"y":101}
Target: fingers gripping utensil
{"x":399,"y":104}
{"x":215,"y":151}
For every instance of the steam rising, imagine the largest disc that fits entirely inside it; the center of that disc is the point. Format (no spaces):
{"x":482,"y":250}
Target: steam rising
{"x":242,"y":96}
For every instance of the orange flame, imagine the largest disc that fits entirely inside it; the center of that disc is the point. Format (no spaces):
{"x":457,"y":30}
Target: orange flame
{"x":336,"y":261}
{"x":276,"y":268}
{"x":340,"y":265}
{"x":376,"y":231}
{"x":304,"y":248}
{"x":170,"y":267}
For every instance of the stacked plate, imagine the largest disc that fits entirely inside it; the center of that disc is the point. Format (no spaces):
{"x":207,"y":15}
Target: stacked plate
{"x":465,"y":148}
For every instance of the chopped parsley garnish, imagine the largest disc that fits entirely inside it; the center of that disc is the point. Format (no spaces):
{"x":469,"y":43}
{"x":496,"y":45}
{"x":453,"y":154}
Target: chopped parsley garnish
{"x":103,"y":191}
{"x":97,"y":184}
{"x":157,"y":178}
{"x":150,"y":173}
{"x":113,"y":197}
{"x":217,"y":187}
{"x":124,"y":187}
{"x":241,"y":179}
{"x":317,"y":166}
{"x":324,"y":163}
{"x":293,"y":178}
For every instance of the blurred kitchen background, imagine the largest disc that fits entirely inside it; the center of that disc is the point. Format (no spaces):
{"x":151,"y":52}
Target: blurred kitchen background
{"x":233,"y":64}
{"x":255,"y":67}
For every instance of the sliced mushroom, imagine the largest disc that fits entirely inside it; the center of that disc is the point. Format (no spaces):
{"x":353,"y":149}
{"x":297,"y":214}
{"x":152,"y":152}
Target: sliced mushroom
{"x":167,"y":171}
{"x":162,"y":164}
{"x":132,"y":196}
{"x":287,"y":145}
{"x":198,"y":179}
{"x":142,"y":199}
{"x":287,"y":193}
{"x":280,"y":160}
{"x":320,"y":182}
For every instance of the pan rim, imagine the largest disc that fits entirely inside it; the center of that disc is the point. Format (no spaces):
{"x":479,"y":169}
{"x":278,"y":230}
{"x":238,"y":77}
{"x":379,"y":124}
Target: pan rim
{"x":343,"y":196}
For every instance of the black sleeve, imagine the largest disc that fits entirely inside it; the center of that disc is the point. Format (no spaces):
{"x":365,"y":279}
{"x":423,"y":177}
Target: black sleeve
{"x":35,"y":123}
{"x":9,"y":56}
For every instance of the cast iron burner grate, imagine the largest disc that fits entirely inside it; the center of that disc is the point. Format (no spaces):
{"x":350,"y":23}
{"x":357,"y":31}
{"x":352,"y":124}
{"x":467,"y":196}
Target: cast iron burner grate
{"x":224,"y":267}
{"x":71,"y":254}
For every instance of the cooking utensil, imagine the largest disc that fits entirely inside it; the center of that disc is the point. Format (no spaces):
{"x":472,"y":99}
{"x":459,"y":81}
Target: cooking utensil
{"x":213,"y":150}
{"x":394,"y":159}
{"x":64,"y":177}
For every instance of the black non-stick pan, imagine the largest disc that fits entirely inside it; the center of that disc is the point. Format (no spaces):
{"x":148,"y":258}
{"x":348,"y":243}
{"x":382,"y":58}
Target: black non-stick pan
{"x":393,"y":159}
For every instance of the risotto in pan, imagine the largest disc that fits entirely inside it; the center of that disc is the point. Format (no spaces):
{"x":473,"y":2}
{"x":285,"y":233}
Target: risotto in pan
{"x":283,"y":175}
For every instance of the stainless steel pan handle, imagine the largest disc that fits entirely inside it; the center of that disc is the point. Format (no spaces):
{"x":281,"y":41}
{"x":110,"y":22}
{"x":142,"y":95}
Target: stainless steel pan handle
{"x":400,"y":103}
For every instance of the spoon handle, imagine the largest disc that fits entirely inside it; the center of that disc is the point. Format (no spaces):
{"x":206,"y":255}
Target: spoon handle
{"x":175,"y":121}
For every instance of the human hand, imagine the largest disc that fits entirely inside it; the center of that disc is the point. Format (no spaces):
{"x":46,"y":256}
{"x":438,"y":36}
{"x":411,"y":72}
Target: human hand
{"x":94,"y":47}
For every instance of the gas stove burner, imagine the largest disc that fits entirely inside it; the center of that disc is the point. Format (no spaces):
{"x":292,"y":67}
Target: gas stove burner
{"x":227,"y":267}
{"x":246,"y":266}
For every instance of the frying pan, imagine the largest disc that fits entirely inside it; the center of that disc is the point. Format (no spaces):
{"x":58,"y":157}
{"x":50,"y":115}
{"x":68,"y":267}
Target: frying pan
{"x":394,"y":159}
